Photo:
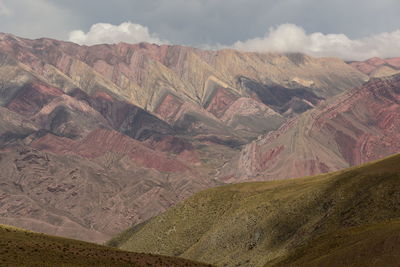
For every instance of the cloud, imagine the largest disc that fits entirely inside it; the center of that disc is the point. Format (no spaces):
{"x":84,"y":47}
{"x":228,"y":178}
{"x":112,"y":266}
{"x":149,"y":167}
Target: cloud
{"x":211,"y":22}
{"x":226,"y":21}
{"x":283,"y":38}
{"x":292,"y":38}
{"x":38,"y":18}
{"x":101,"y":33}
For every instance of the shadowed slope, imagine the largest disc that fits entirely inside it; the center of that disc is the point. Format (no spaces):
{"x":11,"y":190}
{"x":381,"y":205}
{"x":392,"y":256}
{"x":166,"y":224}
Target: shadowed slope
{"x":253,"y":224}
{"x":24,"y":248}
{"x":373,"y":245}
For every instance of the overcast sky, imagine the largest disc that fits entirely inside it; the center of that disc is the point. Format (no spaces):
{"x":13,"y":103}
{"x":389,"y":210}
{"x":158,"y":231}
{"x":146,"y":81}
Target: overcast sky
{"x":345,"y":28}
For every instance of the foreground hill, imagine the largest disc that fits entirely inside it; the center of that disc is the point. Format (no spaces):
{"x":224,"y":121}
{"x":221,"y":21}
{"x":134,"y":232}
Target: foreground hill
{"x":346,"y":218}
{"x":24,"y":248}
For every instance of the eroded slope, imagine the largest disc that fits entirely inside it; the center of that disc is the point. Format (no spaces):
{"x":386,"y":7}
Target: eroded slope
{"x":354,"y":128}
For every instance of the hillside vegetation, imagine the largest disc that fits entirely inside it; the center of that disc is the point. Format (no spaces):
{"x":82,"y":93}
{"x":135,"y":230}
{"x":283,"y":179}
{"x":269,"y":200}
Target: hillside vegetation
{"x":367,"y":245}
{"x":24,"y":248}
{"x":346,"y":218}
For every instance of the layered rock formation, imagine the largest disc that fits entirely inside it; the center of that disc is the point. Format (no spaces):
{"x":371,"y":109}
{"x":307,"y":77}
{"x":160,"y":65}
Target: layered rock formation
{"x":353,"y":128}
{"x":187,"y":87}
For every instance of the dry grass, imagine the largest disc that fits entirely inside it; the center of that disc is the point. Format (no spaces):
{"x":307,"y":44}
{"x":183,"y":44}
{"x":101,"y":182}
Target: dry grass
{"x":25,"y":248}
{"x":372,"y":245}
{"x":253,"y":224}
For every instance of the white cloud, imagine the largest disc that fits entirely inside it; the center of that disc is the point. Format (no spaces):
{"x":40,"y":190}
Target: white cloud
{"x":35,"y":19}
{"x":292,"y":38}
{"x":101,"y":33}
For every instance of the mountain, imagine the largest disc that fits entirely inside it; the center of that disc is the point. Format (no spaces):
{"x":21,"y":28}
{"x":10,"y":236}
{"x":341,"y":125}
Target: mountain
{"x":352,"y":128}
{"x":193,"y":90}
{"x":94,"y":139}
{"x":22,"y":248}
{"x":346,"y":218}
{"x":377,"y":67}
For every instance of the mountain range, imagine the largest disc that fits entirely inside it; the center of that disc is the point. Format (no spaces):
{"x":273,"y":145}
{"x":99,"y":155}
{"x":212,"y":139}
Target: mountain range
{"x":96,"y":139}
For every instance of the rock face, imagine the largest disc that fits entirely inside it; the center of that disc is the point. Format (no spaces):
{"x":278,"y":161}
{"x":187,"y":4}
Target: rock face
{"x":96,"y":138}
{"x":353,"y":128}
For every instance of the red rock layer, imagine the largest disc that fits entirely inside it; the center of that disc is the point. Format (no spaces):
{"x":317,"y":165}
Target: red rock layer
{"x":32,"y":97}
{"x":101,"y":141}
{"x":220,"y":101}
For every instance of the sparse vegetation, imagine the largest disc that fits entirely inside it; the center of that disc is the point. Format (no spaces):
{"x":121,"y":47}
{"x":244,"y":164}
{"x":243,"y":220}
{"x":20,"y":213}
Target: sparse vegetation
{"x":24,"y":248}
{"x":297,"y":221}
{"x":371,"y":245}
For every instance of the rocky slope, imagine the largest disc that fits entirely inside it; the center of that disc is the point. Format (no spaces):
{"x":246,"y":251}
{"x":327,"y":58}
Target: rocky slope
{"x":347,"y":218}
{"x":353,"y":128}
{"x":24,"y":248}
{"x":74,"y":163}
{"x":377,"y":67}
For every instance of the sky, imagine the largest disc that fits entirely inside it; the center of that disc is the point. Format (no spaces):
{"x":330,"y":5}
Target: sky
{"x":349,"y":29}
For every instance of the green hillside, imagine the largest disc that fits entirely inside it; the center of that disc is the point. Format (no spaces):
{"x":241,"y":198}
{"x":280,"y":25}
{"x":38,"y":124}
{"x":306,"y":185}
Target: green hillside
{"x":346,"y":218}
{"x":24,"y":248}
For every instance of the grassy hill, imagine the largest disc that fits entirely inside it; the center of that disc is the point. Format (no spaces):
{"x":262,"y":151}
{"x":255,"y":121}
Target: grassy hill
{"x":24,"y":248}
{"x":346,"y":218}
{"x":367,"y":245}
